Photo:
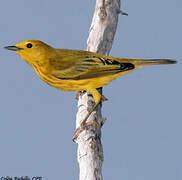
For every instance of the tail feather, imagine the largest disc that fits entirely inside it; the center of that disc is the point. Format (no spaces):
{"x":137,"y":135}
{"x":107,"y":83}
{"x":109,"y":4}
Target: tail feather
{"x":146,"y":62}
{"x":154,"y":62}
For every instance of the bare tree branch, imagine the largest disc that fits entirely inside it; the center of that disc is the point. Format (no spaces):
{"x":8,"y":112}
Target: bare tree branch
{"x":101,"y":36}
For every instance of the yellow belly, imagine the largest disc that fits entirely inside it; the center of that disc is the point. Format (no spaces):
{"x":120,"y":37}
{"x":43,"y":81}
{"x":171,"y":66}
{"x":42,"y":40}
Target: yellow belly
{"x":77,"y":85}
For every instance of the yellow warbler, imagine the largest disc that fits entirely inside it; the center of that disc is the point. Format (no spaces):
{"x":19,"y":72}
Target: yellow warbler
{"x":77,"y":70}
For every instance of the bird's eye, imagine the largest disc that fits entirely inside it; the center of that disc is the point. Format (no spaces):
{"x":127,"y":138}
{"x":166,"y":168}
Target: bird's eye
{"x":29,"y":45}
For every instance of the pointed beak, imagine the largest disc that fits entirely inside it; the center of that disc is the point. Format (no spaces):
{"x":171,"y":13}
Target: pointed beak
{"x":13,"y":48}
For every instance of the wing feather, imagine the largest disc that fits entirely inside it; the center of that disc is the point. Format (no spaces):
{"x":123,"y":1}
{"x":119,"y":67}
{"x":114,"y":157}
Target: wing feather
{"x":87,"y":66}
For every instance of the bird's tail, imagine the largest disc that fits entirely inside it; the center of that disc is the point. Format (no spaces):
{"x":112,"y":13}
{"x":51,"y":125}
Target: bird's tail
{"x":149,"y":62}
{"x":146,"y":62}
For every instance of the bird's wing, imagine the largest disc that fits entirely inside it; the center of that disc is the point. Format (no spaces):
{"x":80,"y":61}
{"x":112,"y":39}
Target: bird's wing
{"x":87,"y":66}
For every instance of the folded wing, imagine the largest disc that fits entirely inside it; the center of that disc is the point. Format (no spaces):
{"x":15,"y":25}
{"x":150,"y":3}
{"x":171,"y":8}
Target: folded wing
{"x":87,"y":67}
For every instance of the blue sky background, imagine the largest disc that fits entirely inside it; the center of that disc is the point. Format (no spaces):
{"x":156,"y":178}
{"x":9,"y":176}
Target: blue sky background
{"x":142,"y":134}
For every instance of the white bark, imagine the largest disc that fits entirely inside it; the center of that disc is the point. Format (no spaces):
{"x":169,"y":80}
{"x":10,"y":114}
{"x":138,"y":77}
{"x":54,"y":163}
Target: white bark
{"x":101,"y":35}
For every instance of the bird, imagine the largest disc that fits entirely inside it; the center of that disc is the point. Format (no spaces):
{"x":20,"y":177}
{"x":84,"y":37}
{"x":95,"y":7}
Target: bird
{"x":78,"y":70}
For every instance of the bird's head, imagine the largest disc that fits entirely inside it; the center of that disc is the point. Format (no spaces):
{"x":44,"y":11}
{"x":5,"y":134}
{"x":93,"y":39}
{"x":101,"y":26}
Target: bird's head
{"x":31,"y":50}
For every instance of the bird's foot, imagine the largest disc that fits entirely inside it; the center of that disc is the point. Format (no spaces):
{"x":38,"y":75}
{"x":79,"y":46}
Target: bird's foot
{"x":103,"y":98}
{"x":85,"y":124}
